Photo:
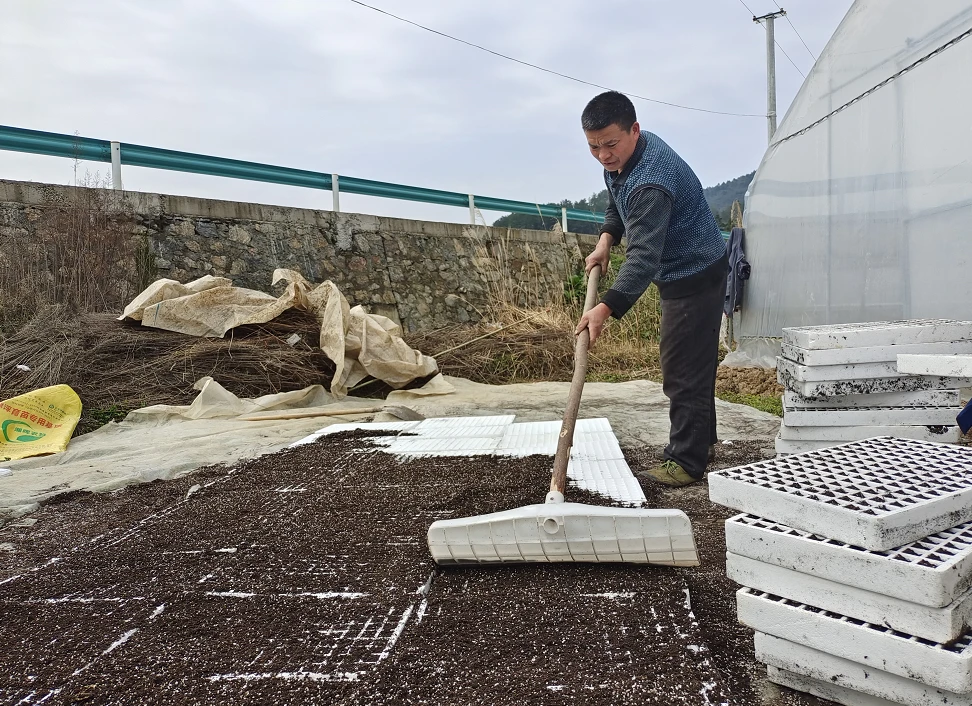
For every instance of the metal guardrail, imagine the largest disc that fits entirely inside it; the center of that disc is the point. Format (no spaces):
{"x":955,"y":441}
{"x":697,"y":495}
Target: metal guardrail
{"x":119,"y":153}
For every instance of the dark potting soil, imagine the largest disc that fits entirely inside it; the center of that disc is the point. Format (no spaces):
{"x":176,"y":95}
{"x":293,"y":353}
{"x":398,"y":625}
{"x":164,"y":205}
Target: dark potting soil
{"x":303,"y":577}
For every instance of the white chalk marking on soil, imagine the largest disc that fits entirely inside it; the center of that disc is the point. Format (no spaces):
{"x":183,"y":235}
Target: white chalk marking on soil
{"x":157,"y":612}
{"x":424,"y":591}
{"x":397,"y":632}
{"x":120,"y":641}
{"x":610,"y":595}
{"x":205,"y":578}
{"x":111,"y":648}
{"x":26,"y":699}
{"x":31,"y":570}
{"x":323,"y":595}
{"x":288,"y":676}
{"x":556,"y":687}
{"x":227,"y":550}
{"x":88,"y":599}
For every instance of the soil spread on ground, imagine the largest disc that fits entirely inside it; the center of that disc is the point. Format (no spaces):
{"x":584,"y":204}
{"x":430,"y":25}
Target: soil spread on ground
{"x":748,"y":381}
{"x":304,"y":577}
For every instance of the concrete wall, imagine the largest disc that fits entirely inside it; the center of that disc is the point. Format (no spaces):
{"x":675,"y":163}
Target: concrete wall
{"x":424,"y":274}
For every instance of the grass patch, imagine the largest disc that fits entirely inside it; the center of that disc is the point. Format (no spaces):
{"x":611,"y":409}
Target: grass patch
{"x":764,"y":403}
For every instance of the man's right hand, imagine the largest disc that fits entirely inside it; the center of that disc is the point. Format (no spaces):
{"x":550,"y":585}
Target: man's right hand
{"x":601,"y":255}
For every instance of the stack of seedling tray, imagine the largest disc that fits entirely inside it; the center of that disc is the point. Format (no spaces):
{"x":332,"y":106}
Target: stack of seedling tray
{"x":856,"y":565}
{"x":843,"y":384}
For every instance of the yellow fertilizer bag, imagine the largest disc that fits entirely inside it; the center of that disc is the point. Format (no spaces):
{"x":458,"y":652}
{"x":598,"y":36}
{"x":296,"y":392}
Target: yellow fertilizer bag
{"x":40,"y":422}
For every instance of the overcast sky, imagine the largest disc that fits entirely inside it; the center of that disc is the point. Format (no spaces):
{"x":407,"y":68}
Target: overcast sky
{"x":331,"y":86}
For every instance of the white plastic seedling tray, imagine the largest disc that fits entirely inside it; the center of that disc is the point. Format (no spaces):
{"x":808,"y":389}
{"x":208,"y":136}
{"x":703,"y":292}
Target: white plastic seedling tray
{"x":824,"y":672}
{"x":828,"y":691}
{"x":596,"y":460}
{"x":870,"y":416}
{"x":871,"y":354}
{"x":788,"y":370}
{"x":959,"y":366}
{"x":943,"y":666}
{"x":935,"y":624}
{"x":933,"y":571}
{"x":837,"y":388}
{"x":878,"y":493}
{"x":787,"y":447}
{"x":926,"y":398}
{"x":941,"y":434}
{"x":878,"y":333}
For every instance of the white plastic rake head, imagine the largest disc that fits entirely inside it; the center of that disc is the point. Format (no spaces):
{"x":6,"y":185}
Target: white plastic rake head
{"x":566,"y":532}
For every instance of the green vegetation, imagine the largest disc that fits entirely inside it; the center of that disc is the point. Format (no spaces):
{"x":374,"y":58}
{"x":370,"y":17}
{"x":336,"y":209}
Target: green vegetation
{"x":764,"y":403}
{"x":100,"y":416}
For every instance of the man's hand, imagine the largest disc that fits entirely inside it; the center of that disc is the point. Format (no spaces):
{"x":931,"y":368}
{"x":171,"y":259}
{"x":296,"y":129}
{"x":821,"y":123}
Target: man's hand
{"x":601,"y":255}
{"x":594,"y":321}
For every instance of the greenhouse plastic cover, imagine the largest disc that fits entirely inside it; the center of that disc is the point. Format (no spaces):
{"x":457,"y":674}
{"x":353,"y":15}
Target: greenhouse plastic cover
{"x":862,"y":207}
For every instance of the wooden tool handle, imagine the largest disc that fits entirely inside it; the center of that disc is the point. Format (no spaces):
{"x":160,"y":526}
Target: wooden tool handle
{"x":558,"y":481}
{"x":298,"y":414}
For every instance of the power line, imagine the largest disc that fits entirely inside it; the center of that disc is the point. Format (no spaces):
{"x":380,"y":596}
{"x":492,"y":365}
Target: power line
{"x":798,"y":34}
{"x":776,"y":42}
{"x":788,"y":57}
{"x":747,"y":8}
{"x":551,"y":71}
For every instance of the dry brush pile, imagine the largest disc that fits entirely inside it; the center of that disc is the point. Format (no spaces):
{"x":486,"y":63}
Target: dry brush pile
{"x":116,"y":367}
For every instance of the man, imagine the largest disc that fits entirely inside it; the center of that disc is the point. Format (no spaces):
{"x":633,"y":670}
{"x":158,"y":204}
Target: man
{"x":656,"y":204}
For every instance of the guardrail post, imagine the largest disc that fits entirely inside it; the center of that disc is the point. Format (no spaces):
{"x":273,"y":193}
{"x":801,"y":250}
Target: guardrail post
{"x":336,"y":193}
{"x":472,"y":209}
{"x":563,"y":218}
{"x":116,"y":180}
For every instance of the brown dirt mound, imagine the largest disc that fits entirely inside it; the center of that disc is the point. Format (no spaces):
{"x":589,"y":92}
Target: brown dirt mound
{"x":748,"y":381}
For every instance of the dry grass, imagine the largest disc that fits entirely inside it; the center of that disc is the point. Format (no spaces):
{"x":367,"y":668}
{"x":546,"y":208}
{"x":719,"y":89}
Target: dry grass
{"x":527,"y":332}
{"x":80,"y":255}
{"x":116,"y":367}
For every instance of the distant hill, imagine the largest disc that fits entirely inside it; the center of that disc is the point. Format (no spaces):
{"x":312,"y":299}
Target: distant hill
{"x":719,"y":198}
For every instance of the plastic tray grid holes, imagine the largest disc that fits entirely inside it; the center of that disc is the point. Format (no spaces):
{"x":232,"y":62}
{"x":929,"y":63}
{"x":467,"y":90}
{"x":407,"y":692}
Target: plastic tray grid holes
{"x":939,"y":551}
{"x":886,"y":408}
{"x":876,"y":476}
{"x":959,"y":646}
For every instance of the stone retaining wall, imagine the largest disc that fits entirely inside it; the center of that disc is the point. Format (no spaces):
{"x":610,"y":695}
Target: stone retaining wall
{"x":424,"y":274}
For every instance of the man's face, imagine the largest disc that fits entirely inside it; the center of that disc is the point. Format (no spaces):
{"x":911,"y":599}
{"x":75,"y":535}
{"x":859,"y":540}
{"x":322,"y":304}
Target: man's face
{"x":612,"y":146}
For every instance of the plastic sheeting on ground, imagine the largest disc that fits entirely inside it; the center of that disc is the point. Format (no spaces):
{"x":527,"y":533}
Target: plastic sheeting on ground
{"x":359,"y":343}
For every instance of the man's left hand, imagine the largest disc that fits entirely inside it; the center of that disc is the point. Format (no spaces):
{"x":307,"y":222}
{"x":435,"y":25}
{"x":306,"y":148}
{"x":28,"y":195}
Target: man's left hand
{"x":594,"y":321}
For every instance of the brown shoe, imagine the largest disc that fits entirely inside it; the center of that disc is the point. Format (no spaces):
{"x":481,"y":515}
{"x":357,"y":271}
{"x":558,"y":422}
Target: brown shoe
{"x":670,"y":473}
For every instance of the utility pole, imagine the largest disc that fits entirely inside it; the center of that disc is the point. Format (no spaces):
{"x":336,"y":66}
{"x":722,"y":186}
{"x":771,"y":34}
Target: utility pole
{"x":770,"y":70}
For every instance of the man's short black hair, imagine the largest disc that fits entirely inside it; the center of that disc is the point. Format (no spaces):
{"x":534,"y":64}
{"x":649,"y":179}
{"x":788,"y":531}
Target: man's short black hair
{"x":611,"y":108}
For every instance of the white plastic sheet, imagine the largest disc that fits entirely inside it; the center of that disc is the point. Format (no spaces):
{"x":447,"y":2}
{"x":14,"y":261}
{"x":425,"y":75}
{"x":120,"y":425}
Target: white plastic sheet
{"x":862,"y":207}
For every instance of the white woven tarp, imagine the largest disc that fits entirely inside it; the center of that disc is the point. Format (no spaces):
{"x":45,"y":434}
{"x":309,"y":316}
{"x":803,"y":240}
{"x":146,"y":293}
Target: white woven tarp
{"x":359,"y":343}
